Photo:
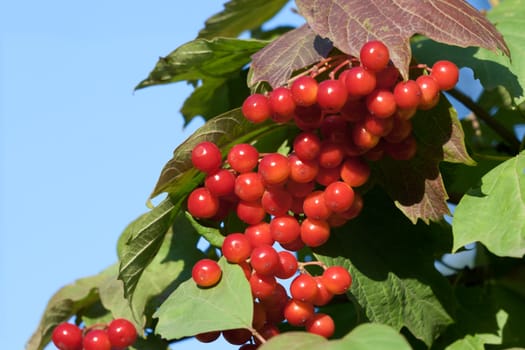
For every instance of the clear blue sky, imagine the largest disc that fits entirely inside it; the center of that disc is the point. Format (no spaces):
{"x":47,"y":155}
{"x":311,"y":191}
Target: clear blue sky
{"x":79,"y":151}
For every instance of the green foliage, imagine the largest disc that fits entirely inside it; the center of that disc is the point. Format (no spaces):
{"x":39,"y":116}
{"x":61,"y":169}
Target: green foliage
{"x":398,"y":299}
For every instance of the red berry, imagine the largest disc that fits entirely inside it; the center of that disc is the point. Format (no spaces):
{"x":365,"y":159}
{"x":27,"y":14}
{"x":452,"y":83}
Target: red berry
{"x":256,"y":108}
{"x":331,"y":95}
{"x":360,"y":82}
{"x":285,"y":229}
{"x":374,"y":55}
{"x":274,"y":168}
{"x":259,"y":234}
{"x":401,"y":129}
{"x":304,"y":91}
{"x":378,"y":126}
{"x":287,"y":265}
{"x":281,"y":104}
{"x":236,"y":247}
{"x":250,"y":212}
{"x":249,"y":186}
{"x":381,"y":103}
{"x":202,"y":204}
{"x":298,"y":312}
{"x":445,"y":73}
{"x":67,"y":336}
{"x":276,"y":201}
{"x":337,"y":279}
{"x":429,"y":92}
{"x":302,"y":171}
{"x":338,"y":196}
{"x":265,"y":260}
{"x":331,"y":154}
{"x":387,"y":78}
{"x":304,"y":288}
{"x":321,"y":324}
{"x":208,"y":337}
{"x":262,"y":286}
{"x":308,"y":118}
{"x":355,"y":171}
{"x":326,"y":176}
{"x":243,"y":158}
{"x":206,"y":157}
{"x":206,"y":272}
{"x":362,"y":138}
{"x":314,"y":206}
{"x":122,"y":333}
{"x":237,"y":336}
{"x":96,"y":339}
{"x":314,"y":233}
{"x":323,"y":295}
{"x":307,"y":145}
{"x":220,"y":183}
{"x":334,"y":128}
{"x":407,"y":94}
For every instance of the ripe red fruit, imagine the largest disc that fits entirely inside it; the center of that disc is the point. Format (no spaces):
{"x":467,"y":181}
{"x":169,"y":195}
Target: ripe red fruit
{"x":314,"y":233}
{"x":381,"y":103}
{"x":407,"y":94}
{"x":206,"y":157}
{"x":302,"y":171}
{"x":304,"y":91}
{"x":359,"y":81}
{"x":208,"y":337}
{"x":262,"y":286}
{"x":429,"y":92}
{"x":287,"y":265}
{"x":374,"y":55}
{"x":122,"y":333}
{"x":256,"y":108}
{"x":220,"y":183}
{"x":276,"y":201}
{"x":67,"y":336}
{"x":321,"y":324}
{"x":285,"y":229}
{"x":236,"y":247}
{"x":355,"y":171}
{"x":274,"y":168}
{"x":362,"y":138}
{"x":264,"y":260}
{"x":97,"y":339}
{"x":378,"y":126}
{"x":338,"y":196}
{"x":314,"y":206}
{"x":307,"y":145}
{"x":337,"y":279}
{"x":331,"y":154}
{"x":445,"y":73}
{"x":298,"y":312}
{"x":323,"y":295}
{"x":331,"y":95}
{"x":243,"y":157}
{"x":249,"y":186}
{"x":304,"y":288}
{"x":202,"y":204}
{"x":250,"y":212}
{"x":308,"y":118}
{"x":237,"y":336}
{"x":259,"y":234}
{"x":206,"y":272}
{"x":281,"y":104}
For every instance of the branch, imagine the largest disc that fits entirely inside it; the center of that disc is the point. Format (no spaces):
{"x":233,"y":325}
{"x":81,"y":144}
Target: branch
{"x":482,"y":114}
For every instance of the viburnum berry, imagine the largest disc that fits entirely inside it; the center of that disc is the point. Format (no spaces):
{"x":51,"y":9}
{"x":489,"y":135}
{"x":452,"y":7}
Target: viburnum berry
{"x":407,"y":94}
{"x":259,"y":234}
{"x":307,"y":145}
{"x":304,"y":288}
{"x":381,"y":103}
{"x":314,"y":206}
{"x":374,"y":55}
{"x":337,"y":279}
{"x":236,"y":247}
{"x":250,"y":212}
{"x":321,"y":324}
{"x":302,"y":171}
{"x":274,"y":168}
{"x":355,"y":171}
{"x":121,"y":333}
{"x":243,"y":158}
{"x":304,"y":91}
{"x":276,"y":201}
{"x":67,"y":336}
{"x":331,"y":95}
{"x":323,"y":295}
{"x":202,"y":204}
{"x":429,"y":92}
{"x":264,"y":260}
{"x":282,"y":104}
{"x":297,"y":312}
{"x":360,"y":82}
{"x":287,"y":265}
{"x":445,"y":73}
{"x":256,"y":108}
{"x":249,"y":186}
{"x":208,"y":337}
{"x":338,"y":196}
{"x":96,"y":339}
{"x":206,"y":273}
{"x":237,"y":336}
{"x":285,"y":229}
{"x":220,"y":183}
{"x":314,"y":233}
{"x":206,"y":157}
{"x":262,"y":286}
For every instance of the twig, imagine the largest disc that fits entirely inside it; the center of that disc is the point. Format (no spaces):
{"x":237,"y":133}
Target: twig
{"x":482,"y":114}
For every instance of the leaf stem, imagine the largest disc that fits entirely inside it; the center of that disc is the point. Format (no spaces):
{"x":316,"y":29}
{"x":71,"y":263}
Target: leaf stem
{"x":258,"y":335}
{"x":482,"y":114}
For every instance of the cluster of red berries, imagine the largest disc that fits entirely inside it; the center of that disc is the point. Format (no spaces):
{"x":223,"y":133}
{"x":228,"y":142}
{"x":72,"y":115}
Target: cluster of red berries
{"x":117,"y":335}
{"x":294,"y":200}
{"x":367,"y":108}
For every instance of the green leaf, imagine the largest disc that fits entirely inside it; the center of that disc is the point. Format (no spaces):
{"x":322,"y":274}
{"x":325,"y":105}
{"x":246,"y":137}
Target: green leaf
{"x":416,"y":185}
{"x":392,"y":265}
{"x":199,"y":59}
{"x":225,"y":131}
{"x":468,"y":343}
{"x":190,"y":310}
{"x":143,"y":238}
{"x":294,"y":50}
{"x":211,"y":234}
{"x":240,"y":15}
{"x":498,"y":205}
{"x":364,"y":337}
{"x":394,"y":23}
{"x":64,"y":304}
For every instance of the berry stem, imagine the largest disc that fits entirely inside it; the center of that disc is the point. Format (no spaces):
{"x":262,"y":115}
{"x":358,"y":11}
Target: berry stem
{"x":258,"y":336}
{"x":482,"y":114}
{"x":310,"y":263}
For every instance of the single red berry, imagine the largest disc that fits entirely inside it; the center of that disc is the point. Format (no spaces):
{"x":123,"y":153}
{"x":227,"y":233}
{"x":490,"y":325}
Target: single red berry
{"x":387,"y":77}
{"x":314,"y":206}
{"x":378,"y":126}
{"x":264,"y":260}
{"x":298,"y":312}
{"x":445,"y":73}
{"x":331,"y":154}
{"x":304,"y":91}
{"x":243,"y":157}
{"x":429,"y":92}
{"x":262,"y":286}
{"x":276,"y":201}
{"x":249,"y":186}
{"x":237,"y":336}
{"x":206,"y":272}
{"x":307,"y":145}
{"x":302,"y":171}
{"x":259,"y":234}
{"x":407,"y":94}
{"x":202,"y":204}
{"x":281,"y":104}
{"x":97,"y":339}
{"x":274,"y":168}
{"x":362,"y":138}
{"x":251,"y":213}
{"x":208,"y":337}
{"x":401,"y":129}
{"x":326,"y":176}
{"x":67,"y":336}
{"x":206,"y":157}
{"x":355,"y":171}
{"x":331,"y":95}
{"x":314,"y":233}
{"x":287,"y":265}
{"x":323,"y":295}
{"x":122,"y":333}
{"x":220,"y":183}
{"x":374,"y":55}
{"x":334,"y":128}
{"x":360,"y":82}
{"x":285,"y":229}
{"x":256,"y":108}
{"x":308,"y":118}
{"x":337,"y":279}
{"x":381,"y":103}
{"x":321,"y":324}
{"x":236,"y":247}
{"x":304,"y":288}
{"x":338,"y":196}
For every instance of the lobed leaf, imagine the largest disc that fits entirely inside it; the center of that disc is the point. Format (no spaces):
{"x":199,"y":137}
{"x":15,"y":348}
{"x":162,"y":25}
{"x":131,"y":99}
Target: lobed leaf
{"x":190,"y":310}
{"x":239,"y":16}
{"x":293,"y":50}
{"x":391,"y":262}
{"x":351,"y":23}
{"x":498,"y":204}
{"x":367,"y":336}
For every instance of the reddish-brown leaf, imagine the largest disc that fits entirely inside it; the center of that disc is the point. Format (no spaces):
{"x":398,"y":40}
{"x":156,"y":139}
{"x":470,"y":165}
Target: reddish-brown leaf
{"x":351,"y":23}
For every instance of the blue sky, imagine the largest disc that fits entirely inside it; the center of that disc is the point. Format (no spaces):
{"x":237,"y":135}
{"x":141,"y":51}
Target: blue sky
{"x":79,"y":150}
